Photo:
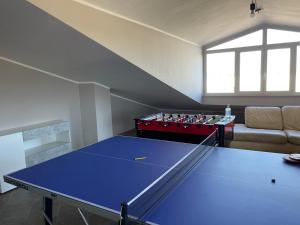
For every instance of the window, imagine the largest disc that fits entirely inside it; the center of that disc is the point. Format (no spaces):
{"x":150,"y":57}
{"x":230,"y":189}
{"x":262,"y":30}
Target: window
{"x":220,"y":70}
{"x":250,"y":71}
{"x":263,"y":62}
{"x":278,"y":70}
{"x":252,"y":39}
{"x":298,"y":70}
{"x":282,"y":36}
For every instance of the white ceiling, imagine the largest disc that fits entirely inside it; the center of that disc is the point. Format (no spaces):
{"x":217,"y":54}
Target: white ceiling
{"x":27,"y":36}
{"x":203,"y":21}
{"x":33,"y":37}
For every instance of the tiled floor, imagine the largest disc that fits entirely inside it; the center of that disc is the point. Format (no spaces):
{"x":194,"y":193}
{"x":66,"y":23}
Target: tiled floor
{"x":20,"y":207}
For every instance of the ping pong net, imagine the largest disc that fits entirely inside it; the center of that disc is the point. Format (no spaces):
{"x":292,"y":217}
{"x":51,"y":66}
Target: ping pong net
{"x":135,"y":210}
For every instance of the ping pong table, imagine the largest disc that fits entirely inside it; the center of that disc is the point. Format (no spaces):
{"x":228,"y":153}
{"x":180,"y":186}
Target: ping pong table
{"x":144,"y":181}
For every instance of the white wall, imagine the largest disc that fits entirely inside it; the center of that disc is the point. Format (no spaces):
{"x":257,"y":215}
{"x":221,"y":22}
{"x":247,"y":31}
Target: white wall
{"x":252,"y":100}
{"x":124,"y":112}
{"x":95,"y":113}
{"x":103,"y":112}
{"x":28,"y":97}
{"x":88,"y":113}
{"x":169,"y":59}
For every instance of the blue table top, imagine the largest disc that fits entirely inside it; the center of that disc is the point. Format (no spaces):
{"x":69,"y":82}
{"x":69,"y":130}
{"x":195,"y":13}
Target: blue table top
{"x":231,"y":187}
{"x":234,"y":187}
{"x":106,"y":174}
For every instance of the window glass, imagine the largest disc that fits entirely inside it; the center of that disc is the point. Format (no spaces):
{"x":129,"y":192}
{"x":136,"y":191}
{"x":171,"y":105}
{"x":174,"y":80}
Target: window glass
{"x":282,"y":36}
{"x":250,"y":70}
{"x":298,"y":70}
{"x":220,"y":72}
{"x":251,"y":39}
{"x":278,"y":69}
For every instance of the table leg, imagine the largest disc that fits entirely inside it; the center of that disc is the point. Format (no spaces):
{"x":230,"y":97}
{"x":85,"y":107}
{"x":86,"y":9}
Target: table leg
{"x":48,"y":213}
{"x":124,"y":218}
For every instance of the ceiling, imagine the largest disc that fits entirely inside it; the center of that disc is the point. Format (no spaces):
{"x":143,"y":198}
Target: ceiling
{"x":27,"y":37}
{"x":33,"y":37}
{"x":203,"y":21}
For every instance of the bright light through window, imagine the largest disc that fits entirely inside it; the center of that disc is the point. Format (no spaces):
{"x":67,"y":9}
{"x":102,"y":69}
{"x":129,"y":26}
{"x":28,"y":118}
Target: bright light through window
{"x":251,"y":39}
{"x":282,"y":36}
{"x":239,"y":65}
{"x":278,"y":70}
{"x":250,"y":70}
{"x":220,"y":72}
{"x":298,"y":70}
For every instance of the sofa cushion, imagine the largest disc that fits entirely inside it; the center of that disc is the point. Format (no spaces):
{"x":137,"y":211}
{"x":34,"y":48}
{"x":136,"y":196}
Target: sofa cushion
{"x":291,"y":117}
{"x":264,"y":118}
{"x":293,"y":136}
{"x":243,"y":133}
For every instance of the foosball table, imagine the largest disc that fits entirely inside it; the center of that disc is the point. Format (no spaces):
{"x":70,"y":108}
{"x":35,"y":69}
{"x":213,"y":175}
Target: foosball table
{"x":192,"y":128}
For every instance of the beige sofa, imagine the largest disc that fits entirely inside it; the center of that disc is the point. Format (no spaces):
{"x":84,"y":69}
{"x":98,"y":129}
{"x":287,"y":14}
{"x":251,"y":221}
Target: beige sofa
{"x":270,"y":129}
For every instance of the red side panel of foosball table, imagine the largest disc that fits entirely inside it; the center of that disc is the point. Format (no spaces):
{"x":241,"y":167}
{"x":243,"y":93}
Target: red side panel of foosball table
{"x":196,"y":129}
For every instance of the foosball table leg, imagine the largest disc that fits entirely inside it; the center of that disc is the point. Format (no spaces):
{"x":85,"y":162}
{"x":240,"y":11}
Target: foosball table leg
{"x":139,"y":133}
{"x":221,"y":135}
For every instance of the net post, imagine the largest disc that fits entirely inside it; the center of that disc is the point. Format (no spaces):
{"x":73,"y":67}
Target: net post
{"x":124,"y":214}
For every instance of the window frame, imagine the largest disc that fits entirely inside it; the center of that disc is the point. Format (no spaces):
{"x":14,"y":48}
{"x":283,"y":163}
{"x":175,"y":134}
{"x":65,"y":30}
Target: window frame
{"x":263,"y":48}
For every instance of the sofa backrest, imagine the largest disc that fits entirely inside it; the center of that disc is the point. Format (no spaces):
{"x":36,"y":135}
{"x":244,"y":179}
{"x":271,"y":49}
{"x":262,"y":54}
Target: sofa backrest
{"x":291,"y":117}
{"x":264,"y":118}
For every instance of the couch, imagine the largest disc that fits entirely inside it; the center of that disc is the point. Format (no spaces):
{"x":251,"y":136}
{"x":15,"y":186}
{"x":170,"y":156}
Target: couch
{"x":270,"y":129}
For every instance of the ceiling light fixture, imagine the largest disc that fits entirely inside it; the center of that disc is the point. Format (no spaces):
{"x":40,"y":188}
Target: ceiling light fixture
{"x":254,"y":9}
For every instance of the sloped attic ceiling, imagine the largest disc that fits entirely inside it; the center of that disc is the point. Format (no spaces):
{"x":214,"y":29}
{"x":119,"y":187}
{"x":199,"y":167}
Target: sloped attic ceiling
{"x":171,"y":60}
{"x":203,"y":21}
{"x":31,"y":36}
